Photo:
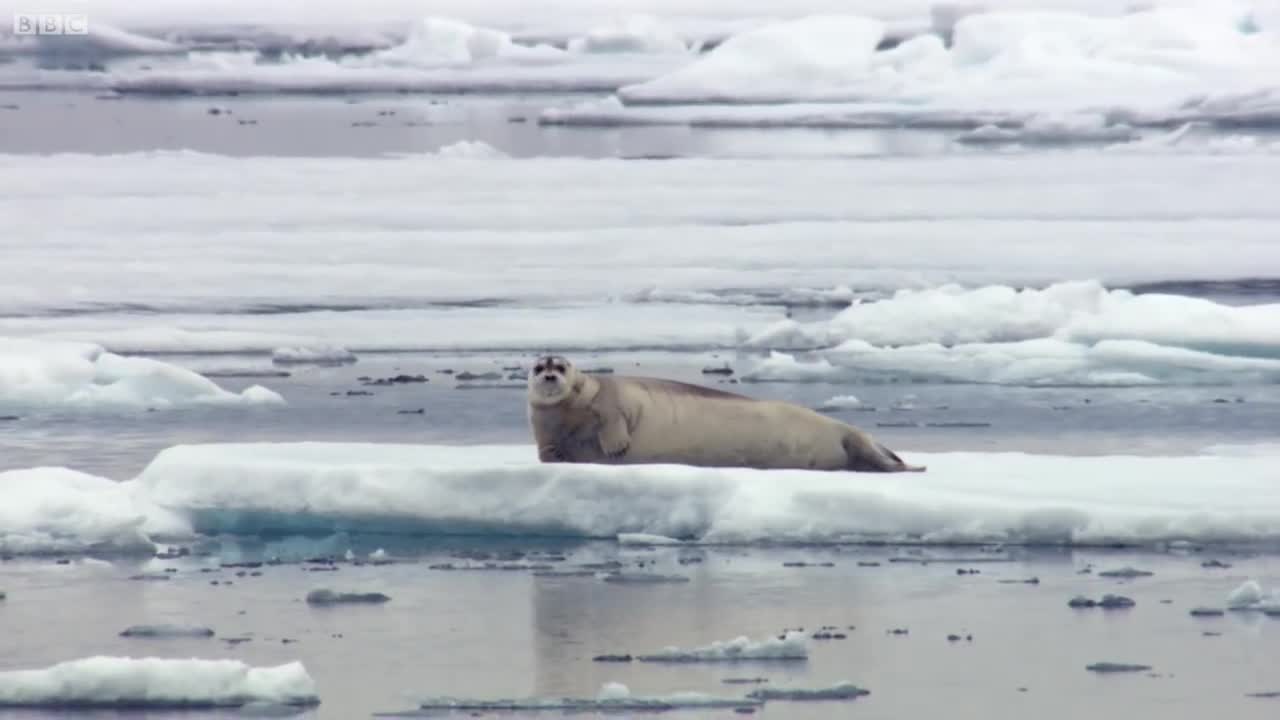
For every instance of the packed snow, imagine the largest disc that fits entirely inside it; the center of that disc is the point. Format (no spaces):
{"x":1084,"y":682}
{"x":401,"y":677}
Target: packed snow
{"x":502,"y":489}
{"x":117,"y":682}
{"x":84,"y":376}
{"x":56,"y":510}
{"x":791,"y":646}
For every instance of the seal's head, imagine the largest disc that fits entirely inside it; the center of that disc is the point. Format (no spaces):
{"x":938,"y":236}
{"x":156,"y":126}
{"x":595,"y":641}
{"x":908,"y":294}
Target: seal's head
{"x":552,"y":380}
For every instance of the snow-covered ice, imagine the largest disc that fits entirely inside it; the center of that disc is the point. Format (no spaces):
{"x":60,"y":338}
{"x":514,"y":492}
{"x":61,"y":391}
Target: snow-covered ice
{"x":107,"y":682}
{"x":55,"y":510}
{"x":84,"y":376}
{"x":502,"y":489}
{"x":791,"y":646}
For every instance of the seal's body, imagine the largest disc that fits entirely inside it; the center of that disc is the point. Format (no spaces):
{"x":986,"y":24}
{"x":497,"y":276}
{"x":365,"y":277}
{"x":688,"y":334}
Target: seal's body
{"x":633,"y":420}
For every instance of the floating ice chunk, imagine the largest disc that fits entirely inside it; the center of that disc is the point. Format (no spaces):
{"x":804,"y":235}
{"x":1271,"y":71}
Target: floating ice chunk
{"x":839,"y":402}
{"x":1248,"y":594}
{"x":325,"y":596}
{"x":839,"y":691}
{"x":35,"y":373}
{"x":1116,"y":667}
{"x":633,"y":34}
{"x":791,"y":646}
{"x":775,"y":62}
{"x":612,"y":696}
{"x":56,"y":510}
{"x":317,"y":355}
{"x":166,"y":631}
{"x":646,"y":539}
{"x":643,"y":578}
{"x":504,"y":490}
{"x":613,"y":691}
{"x":107,"y":682}
{"x":470,"y":149}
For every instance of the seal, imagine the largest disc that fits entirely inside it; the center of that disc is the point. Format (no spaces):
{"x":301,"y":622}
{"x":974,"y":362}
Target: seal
{"x":577,"y":417}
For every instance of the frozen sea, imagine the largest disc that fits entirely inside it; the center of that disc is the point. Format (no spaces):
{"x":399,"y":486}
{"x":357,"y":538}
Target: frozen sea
{"x":270,"y":285}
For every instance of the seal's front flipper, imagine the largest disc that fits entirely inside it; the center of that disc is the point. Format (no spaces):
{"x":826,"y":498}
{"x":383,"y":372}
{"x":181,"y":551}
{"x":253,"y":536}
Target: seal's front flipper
{"x":614,"y":437}
{"x":902,"y":465}
{"x":550,"y":453}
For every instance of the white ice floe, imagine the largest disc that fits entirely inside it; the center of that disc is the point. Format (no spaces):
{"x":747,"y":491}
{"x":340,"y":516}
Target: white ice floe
{"x":1074,"y":333}
{"x":318,"y":355}
{"x":613,"y":696}
{"x":577,"y":326}
{"x":837,"y":402}
{"x":470,"y":149}
{"x":646,"y":539}
{"x":792,"y":646}
{"x":107,"y":682}
{"x":963,"y":497}
{"x":1153,"y":65}
{"x":56,"y":510}
{"x":41,"y":374}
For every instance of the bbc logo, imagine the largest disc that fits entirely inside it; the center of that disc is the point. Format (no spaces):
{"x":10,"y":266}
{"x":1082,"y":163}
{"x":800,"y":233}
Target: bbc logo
{"x":50,"y":24}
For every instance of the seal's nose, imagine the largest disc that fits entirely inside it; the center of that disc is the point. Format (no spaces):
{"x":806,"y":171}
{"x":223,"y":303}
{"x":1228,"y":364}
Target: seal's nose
{"x":548,"y":378}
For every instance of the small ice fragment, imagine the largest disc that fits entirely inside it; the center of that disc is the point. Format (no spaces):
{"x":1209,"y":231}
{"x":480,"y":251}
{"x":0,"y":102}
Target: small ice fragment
{"x":1115,"y":601}
{"x":839,"y":402}
{"x":643,"y":578}
{"x":329,"y":597}
{"x":613,"y":691}
{"x":1125,"y":572}
{"x":839,"y":691}
{"x":1248,"y":594}
{"x":1207,"y":612}
{"x":1114,"y":667}
{"x":166,"y":630}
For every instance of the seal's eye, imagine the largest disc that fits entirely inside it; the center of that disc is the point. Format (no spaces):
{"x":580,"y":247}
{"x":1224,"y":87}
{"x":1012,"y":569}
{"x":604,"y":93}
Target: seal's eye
{"x":537,"y":368}
{"x":559,"y":368}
